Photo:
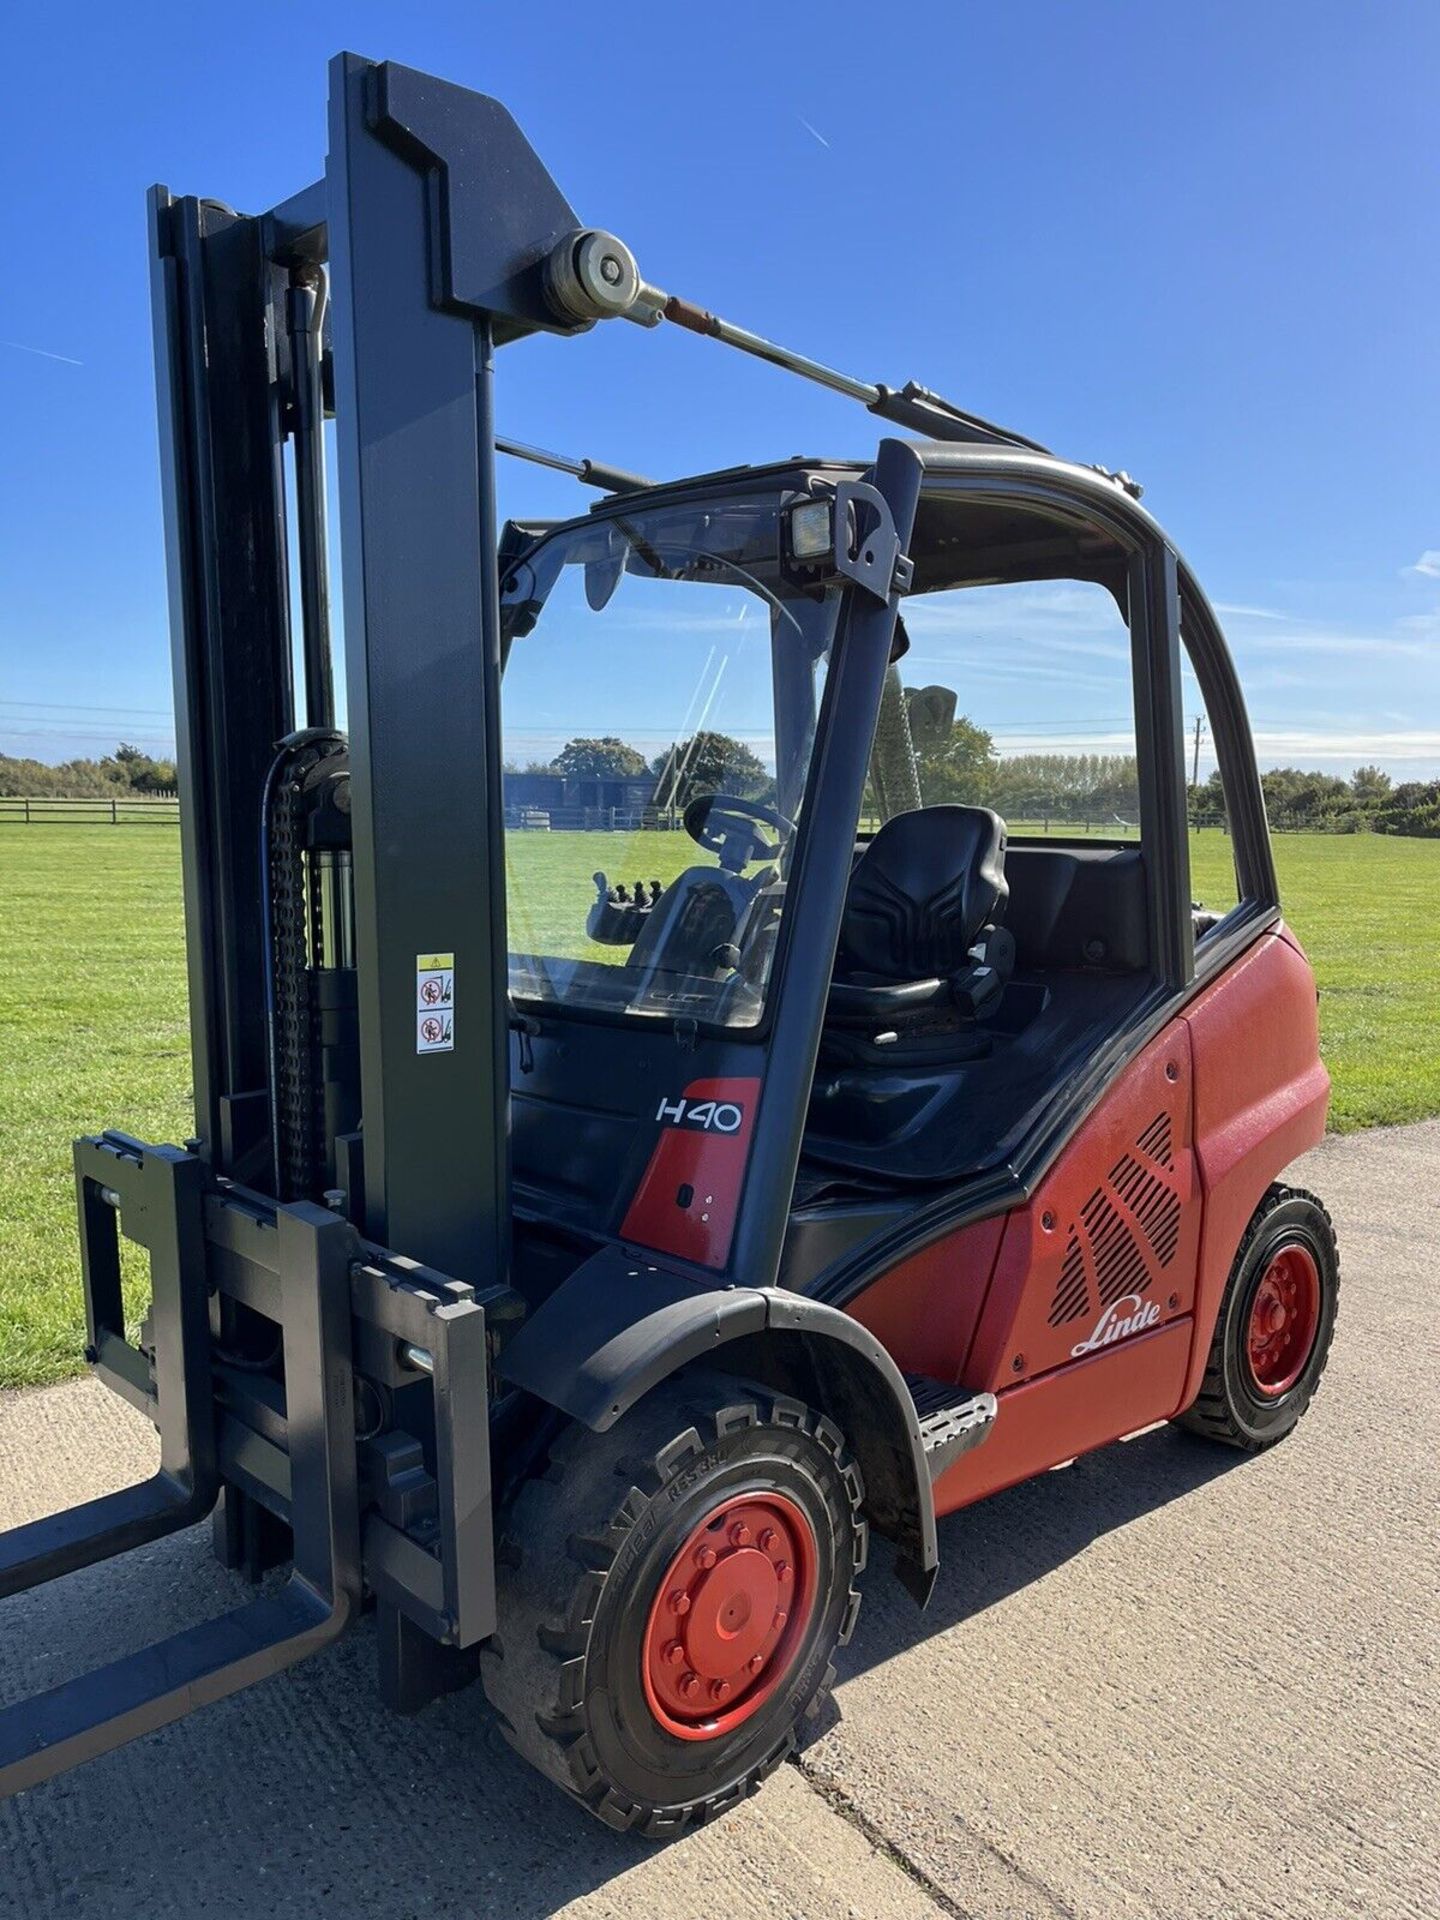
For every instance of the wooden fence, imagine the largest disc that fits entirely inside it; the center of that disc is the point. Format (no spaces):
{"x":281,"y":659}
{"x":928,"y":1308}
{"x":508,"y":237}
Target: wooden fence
{"x":128,"y":809}
{"x":163,"y":809}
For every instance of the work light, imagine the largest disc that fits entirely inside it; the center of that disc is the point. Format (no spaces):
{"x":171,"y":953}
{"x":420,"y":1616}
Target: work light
{"x":812,"y":535}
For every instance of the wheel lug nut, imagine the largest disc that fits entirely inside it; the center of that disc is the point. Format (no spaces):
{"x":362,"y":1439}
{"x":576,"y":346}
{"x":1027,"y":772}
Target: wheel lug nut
{"x":755,"y":1662}
{"x":780,"y":1617}
{"x":688,"y":1684}
{"x":679,"y":1601}
{"x":739,"y":1534}
{"x":782,"y":1567}
{"x":768,"y":1539}
{"x":674,"y":1654}
{"x":719,"y":1690}
{"x":705,"y":1558}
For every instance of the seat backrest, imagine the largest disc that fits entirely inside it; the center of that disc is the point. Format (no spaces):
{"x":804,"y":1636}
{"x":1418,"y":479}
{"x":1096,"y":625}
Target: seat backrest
{"x":921,"y":893}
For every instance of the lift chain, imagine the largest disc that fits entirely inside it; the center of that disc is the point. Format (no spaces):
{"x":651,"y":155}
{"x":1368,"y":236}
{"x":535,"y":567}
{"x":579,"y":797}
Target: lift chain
{"x":297,"y":1105}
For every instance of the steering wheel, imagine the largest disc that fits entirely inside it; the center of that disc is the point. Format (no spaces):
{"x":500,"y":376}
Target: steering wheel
{"x":728,"y":827}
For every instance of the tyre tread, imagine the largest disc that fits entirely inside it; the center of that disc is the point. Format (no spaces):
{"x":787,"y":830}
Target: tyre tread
{"x":559,"y":1558}
{"x":1210,"y":1413}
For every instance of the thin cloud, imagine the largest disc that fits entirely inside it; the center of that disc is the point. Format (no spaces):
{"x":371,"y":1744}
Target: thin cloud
{"x":1250,"y":613}
{"x":1379,"y":744}
{"x":1115,"y":740}
{"x":1274,"y":632}
{"x":1352,"y":645}
{"x":1021,"y":670}
{"x":1079,"y":619}
{"x":43,"y":352}
{"x":814,"y":132}
{"x":1427,"y":566}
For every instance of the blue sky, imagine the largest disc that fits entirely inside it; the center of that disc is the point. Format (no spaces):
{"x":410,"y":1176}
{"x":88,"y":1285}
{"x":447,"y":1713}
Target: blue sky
{"x":1197,"y":242}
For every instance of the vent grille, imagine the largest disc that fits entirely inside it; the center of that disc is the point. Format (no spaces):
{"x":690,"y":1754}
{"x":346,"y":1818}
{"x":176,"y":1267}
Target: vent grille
{"x":1155,"y":1140}
{"x":1153,"y":1202}
{"x":1127,"y":1232}
{"x":1120,"y":1266}
{"x":1072,"y":1294}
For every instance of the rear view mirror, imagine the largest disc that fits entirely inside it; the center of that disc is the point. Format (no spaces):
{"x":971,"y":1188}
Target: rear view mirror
{"x":932,"y":715}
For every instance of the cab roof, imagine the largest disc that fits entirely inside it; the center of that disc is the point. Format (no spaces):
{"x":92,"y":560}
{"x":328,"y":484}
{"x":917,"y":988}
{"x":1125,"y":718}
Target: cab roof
{"x":1007,"y":536}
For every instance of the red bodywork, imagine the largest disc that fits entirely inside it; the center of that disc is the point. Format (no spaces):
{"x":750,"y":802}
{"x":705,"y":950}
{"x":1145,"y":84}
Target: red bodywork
{"x":689,"y":1194}
{"x":1089,"y":1311}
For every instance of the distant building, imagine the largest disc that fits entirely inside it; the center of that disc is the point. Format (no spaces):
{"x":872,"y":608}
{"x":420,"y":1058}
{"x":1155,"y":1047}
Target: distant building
{"x":589,"y":802}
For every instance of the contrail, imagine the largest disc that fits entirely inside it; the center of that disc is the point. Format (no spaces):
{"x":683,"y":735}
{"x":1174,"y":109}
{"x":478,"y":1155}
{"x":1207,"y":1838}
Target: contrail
{"x":813,"y":131}
{"x":45,"y":353}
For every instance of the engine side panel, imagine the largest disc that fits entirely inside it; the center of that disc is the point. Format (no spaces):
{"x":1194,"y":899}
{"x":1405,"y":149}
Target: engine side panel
{"x":924,"y":1309}
{"x":1261,"y":1093}
{"x":1106,"y":1247}
{"x":1105,"y":1287}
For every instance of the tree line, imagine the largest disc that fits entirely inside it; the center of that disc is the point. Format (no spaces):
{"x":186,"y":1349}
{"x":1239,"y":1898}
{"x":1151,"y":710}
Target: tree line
{"x":707,"y":762}
{"x":127,"y":770}
{"x":1103,"y":788}
{"x":1368,"y":802}
{"x":964,"y":768}
{"x":967,"y":769}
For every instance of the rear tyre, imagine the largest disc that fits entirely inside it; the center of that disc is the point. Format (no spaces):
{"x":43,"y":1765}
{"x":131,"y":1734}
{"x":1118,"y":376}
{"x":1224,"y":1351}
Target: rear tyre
{"x":1276,"y":1322}
{"x":670,"y":1595}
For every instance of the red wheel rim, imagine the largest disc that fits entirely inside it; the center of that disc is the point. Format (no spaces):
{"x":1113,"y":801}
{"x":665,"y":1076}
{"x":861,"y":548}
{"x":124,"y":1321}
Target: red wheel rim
{"x":729,"y":1616}
{"x":1284,"y":1317}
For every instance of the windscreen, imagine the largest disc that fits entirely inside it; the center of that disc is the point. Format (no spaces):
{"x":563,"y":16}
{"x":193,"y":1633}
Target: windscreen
{"x":660,"y":697}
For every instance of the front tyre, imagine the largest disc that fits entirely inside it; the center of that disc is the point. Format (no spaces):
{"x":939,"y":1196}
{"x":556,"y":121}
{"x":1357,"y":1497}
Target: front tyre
{"x":1276,"y":1322}
{"x":670,"y":1595}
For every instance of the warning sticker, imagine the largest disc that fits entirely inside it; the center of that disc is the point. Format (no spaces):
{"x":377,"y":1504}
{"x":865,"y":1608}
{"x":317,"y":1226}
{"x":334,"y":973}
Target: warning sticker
{"x":434,"y":1002}
{"x":434,"y":1033}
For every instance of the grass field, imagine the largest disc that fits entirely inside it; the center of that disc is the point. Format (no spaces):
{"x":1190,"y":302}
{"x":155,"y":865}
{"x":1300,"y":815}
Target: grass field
{"x":93,"y":1028}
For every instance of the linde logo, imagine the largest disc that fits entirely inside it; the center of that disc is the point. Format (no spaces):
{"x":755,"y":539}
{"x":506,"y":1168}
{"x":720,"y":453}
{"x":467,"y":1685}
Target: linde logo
{"x":1125,"y":1316}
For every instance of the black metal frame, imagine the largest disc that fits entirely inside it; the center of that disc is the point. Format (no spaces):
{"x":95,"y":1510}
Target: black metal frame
{"x":166,"y":1187}
{"x":162,"y":1195}
{"x":221,"y":443}
{"x":424,"y":282}
{"x":805,"y":958}
{"x":1234,"y":747}
{"x":418,"y":553}
{"x":344,"y":1311}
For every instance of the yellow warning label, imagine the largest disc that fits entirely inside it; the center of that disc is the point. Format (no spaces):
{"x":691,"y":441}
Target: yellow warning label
{"x":434,"y":1003}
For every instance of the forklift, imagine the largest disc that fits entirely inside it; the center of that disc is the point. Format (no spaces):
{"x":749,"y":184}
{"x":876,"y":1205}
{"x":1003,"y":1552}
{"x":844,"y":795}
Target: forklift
{"x":574,"y":1271}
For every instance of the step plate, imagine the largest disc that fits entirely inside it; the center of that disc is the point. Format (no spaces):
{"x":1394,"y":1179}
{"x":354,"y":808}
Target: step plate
{"x":952,"y":1419}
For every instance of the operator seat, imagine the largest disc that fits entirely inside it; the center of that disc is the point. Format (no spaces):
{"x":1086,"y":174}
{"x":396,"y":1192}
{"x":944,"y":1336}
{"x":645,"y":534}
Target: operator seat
{"x":921,"y":942}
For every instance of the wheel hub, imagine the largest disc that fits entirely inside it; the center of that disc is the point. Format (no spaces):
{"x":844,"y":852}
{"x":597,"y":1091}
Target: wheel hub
{"x":1284,"y":1319}
{"x":729,"y":1615}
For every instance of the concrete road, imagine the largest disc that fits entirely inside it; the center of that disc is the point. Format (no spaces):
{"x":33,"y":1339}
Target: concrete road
{"x":1167,"y":1681}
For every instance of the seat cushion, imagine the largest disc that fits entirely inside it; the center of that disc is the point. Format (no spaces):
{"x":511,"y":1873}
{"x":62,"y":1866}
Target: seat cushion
{"x":921,"y":893}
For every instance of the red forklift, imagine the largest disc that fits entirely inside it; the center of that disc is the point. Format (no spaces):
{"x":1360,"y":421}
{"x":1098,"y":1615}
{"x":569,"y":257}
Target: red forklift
{"x":573,"y":1270}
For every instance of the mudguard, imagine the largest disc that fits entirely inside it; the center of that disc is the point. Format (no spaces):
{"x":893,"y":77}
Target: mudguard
{"x":622,"y":1323}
